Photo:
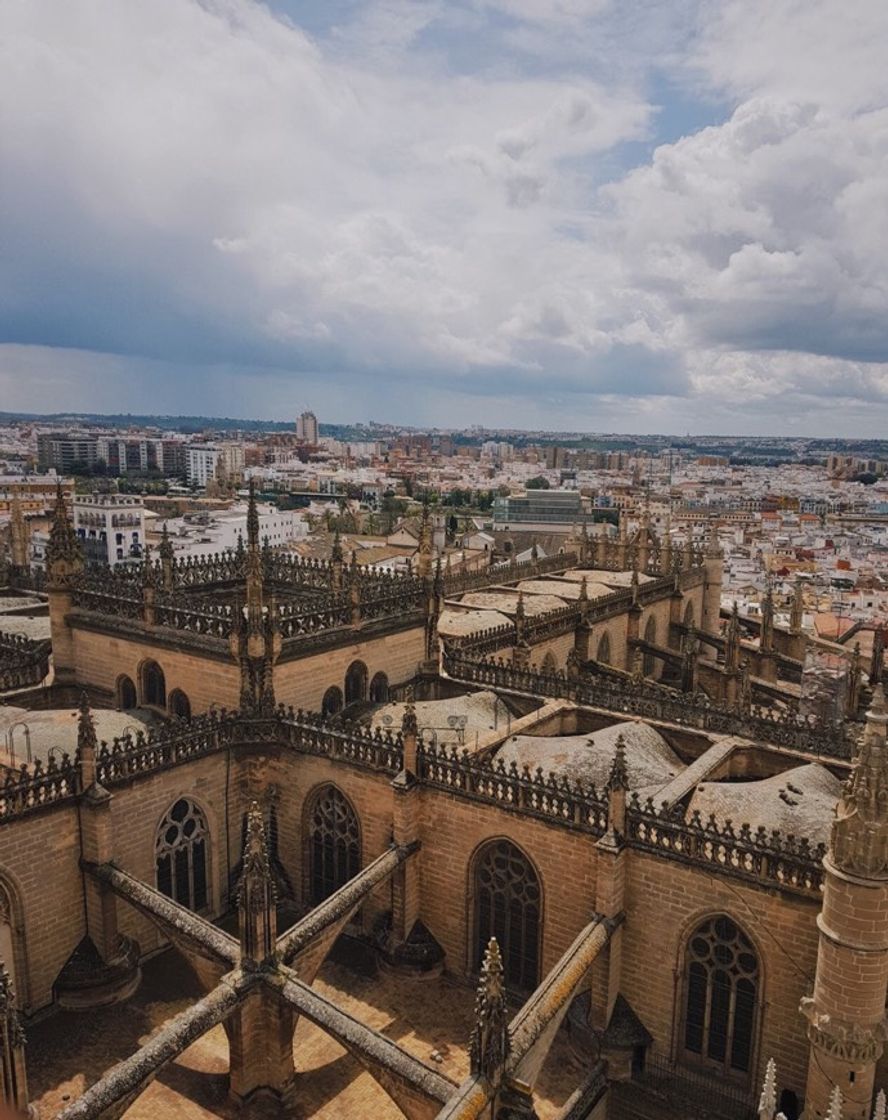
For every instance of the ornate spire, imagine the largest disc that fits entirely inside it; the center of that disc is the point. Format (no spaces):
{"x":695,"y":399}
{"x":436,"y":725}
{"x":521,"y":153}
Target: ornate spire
{"x":424,"y":568}
{"x":619,"y":775}
{"x":256,"y":894}
{"x":796,"y":613}
{"x":835,"y":1105}
{"x":336,"y":553}
{"x":252,"y":519}
{"x":732,"y":641}
{"x":63,"y":547}
{"x":87,"y":744}
{"x":766,"y":639}
{"x":859,"y":841}
{"x":166,"y":545}
{"x":489,"y":1047}
{"x":768,"y":1100}
{"x":880,"y":1109}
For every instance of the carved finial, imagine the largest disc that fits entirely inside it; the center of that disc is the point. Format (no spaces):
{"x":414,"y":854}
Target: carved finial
{"x":768,"y":1100}
{"x":619,"y":774}
{"x":256,"y":893}
{"x":519,"y":608}
{"x":336,"y":554}
{"x":252,"y":518}
{"x":86,"y":728}
{"x":835,"y":1105}
{"x":859,"y":839}
{"x":166,"y":545}
{"x":64,"y":545}
{"x":409,"y":725}
{"x":880,"y":1109}
{"x":796,"y":613}
{"x":489,"y":1047}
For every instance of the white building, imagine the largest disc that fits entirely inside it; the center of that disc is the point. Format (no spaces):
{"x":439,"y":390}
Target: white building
{"x":206,"y":462}
{"x":197,"y":534}
{"x":111,"y":527}
{"x":307,"y":428}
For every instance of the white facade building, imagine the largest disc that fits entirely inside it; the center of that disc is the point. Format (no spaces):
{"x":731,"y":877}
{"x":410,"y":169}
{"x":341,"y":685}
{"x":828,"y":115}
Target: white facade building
{"x":307,"y":428}
{"x":111,"y":527}
{"x":205,"y":462}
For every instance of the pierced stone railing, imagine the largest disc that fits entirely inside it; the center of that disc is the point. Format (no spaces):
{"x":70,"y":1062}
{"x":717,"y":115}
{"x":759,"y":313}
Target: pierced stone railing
{"x":654,"y":701}
{"x":24,"y":662}
{"x":555,"y":799}
{"x":509,"y":572}
{"x":37,"y":785}
{"x":783,"y":861}
{"x":372,"y":749}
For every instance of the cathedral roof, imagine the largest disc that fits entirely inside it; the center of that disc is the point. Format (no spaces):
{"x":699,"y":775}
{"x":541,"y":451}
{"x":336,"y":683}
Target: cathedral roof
{"x":564,"y":589}
{"x":650,"y":761}
{"x":507,"y":601}
{"x":799,"y":802}
{"x":483,"y":712}
{"x":456,"y":623}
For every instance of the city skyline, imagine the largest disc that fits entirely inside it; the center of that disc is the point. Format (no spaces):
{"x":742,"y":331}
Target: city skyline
{"x":509,"y":213}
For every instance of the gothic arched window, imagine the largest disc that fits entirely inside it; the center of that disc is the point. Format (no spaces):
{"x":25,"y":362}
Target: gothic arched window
{"x":331,"y":705}
{"x":180,"y":853}
{"x":604,"y":650}
{"x":507,"y":907}
{"x":720,"y":996}
{"x":356,"y":682}
{"x":126,"y":694}
{"x":180,"y":705}
{"x":334,"y":854}
{"x":689,"y":613}
{"x":550,"y":665}
{"x":379,"y":688}
{"x":153,"y":685}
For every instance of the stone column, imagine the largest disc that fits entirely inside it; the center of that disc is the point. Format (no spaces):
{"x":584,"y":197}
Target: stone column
{"x":610,"y":887}
{"x":260,"y":1033}
{"x":846,"y":1014}
{"x":108,"y":967}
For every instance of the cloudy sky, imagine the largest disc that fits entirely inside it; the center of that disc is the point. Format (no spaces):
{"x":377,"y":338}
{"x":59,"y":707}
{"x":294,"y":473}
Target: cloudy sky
{"x":620,"y":215}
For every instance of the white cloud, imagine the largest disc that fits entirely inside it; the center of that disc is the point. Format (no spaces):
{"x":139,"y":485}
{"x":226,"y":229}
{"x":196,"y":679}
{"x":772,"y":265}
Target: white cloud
{"x":205,"y":183}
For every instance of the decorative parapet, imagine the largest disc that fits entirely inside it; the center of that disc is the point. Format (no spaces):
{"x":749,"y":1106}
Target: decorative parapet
{"x":768,"y":859}
{"x":38,"y":785}
{"x":24,"y":662}
{"x":771,"y":858}
{"x":530,"y":792}
{"x":650,"y":700}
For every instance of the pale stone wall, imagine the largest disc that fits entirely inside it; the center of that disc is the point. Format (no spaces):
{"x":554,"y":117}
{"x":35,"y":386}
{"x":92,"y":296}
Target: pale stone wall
{"x":665,"y":902}
{"x":39,"y":868}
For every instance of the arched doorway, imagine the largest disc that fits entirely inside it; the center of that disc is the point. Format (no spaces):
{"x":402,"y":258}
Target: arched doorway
{"x":721,"y":988}
{"x":180,"y":854}
{"x":379,"y":688}
{"x":356,"y":682}
{"x":153,"y":685}
{"x":331,"y":705}
{"x":334,"y":843}
{"x":180,"y":705}
{"x":126,"y":693}
{"x":508,"y":906}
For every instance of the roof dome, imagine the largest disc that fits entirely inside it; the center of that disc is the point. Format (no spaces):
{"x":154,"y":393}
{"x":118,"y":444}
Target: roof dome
{"x":650,"y":761}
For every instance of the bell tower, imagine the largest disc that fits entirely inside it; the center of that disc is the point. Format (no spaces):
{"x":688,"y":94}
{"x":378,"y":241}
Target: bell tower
{"x":846,"y":1014}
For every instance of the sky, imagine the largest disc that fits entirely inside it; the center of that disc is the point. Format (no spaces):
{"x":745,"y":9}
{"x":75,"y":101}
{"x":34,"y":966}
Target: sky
{"x":594,"y":215}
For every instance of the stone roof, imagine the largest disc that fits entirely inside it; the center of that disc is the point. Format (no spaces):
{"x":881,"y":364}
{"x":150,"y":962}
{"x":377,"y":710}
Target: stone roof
{"x":483,"y":711}
{"x":507,"y":601}
{"x":57,"y":727}
{"x":650,"y":761}
{"x":455,"y":623}
{"x":613,"y":580}
{"x":799,"y":802}
{"x":564,"y":589}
